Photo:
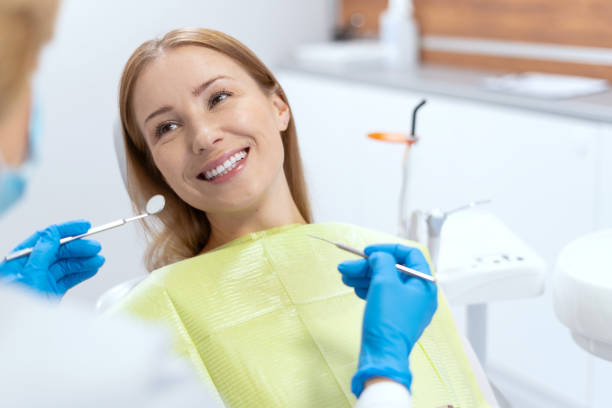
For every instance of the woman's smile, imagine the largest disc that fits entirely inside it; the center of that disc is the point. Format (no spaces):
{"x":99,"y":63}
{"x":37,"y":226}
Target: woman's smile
{"x":225,"y":167}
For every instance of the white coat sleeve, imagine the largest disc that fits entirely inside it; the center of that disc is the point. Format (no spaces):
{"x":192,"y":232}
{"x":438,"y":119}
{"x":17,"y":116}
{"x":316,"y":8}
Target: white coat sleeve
{"x":388,"y":394}
{"x":63,"y":356}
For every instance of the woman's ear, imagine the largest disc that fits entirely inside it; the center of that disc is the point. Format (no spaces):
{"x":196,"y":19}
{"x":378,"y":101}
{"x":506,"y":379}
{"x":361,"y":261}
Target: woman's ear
{"x":281,"y":110}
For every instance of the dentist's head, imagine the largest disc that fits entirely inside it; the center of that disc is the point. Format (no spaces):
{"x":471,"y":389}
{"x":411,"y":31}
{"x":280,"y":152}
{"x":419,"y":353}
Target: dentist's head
{"x":25,"y":26}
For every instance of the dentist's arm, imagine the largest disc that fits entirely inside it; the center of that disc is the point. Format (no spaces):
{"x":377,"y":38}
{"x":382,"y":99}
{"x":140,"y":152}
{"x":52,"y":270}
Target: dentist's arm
{"x":398,"y":309}
{"x":68,"y":357}
{"x":384,"y":393}
{"x":51,"y":269}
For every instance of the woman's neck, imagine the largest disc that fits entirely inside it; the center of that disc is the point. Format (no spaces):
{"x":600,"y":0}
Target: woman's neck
{"x":274,"y":210}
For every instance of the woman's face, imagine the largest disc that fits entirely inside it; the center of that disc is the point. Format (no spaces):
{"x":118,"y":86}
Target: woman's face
{"x":214,"y":134}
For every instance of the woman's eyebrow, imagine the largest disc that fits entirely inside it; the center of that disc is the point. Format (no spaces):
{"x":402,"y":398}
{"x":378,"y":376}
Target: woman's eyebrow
{"x":161,"y":110}
{"x":197,"y":91}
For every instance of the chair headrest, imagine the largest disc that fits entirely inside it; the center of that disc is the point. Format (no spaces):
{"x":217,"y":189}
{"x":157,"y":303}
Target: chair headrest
{"x":120,"y":150}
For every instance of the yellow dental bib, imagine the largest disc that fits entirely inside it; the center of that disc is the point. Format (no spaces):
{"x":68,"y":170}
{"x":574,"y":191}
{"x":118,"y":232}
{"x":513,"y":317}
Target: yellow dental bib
{"x":267,"y":322}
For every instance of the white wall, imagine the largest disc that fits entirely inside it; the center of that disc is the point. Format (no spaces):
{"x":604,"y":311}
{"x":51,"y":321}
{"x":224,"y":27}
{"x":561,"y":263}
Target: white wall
{"x":78,"y":80}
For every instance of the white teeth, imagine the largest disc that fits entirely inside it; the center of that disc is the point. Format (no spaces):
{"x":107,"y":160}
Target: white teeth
{"x":227,"y":165}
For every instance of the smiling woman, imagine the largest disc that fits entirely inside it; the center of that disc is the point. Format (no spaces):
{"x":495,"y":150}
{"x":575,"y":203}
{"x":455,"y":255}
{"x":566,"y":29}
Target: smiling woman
{"x":191,"y":103}
{"x":254,"y":302}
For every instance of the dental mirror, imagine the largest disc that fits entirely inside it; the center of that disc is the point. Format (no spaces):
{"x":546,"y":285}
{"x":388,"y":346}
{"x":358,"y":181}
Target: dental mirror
{"x":154,"y":206}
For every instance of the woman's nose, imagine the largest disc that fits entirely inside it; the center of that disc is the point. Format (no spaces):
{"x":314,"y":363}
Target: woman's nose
{"x":205,"y":137}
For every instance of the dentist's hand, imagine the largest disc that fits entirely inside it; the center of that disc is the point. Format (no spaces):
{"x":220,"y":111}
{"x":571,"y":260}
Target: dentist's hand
{"x":398,"y":309}
{"x":52,"y":269}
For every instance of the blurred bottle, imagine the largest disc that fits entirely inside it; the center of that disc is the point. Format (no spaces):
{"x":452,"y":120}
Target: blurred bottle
{"x":399,"y":32}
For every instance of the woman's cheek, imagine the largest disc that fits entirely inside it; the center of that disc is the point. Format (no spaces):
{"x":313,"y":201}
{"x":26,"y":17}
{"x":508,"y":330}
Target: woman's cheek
{"x":167,"y":166}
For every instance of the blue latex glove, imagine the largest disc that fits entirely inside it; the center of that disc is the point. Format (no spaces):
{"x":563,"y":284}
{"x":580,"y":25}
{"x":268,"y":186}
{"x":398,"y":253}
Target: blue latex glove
{"x":52,"y":269}
{"x":398,"y":309}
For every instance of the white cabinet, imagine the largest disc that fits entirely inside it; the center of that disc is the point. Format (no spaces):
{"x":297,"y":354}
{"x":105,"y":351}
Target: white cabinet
{"x":544,"y":173}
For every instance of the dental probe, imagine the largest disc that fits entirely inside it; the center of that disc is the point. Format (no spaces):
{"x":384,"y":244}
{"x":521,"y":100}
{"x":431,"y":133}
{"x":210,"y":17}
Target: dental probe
{"x":401,"y":268}
{"x":154,"y":206}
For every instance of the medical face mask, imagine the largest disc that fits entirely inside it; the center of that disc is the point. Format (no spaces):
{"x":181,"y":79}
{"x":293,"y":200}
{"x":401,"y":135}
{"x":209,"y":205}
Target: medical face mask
{"x":13,"y":180}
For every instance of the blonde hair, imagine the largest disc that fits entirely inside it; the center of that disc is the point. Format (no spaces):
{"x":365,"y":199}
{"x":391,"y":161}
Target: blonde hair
{"x":182,"y":231}
{"x":25,"y":26}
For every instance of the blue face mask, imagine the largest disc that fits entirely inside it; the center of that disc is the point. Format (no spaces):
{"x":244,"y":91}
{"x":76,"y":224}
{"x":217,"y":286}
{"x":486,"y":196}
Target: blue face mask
{"x":13,"y":180}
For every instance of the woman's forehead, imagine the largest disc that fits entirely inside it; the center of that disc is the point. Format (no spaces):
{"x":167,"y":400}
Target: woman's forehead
{"x":187,"y":63}
{"x":178,"y":71}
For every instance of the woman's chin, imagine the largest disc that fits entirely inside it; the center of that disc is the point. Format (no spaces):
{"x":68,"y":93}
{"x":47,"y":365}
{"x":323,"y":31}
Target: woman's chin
{"x":231,"y":207}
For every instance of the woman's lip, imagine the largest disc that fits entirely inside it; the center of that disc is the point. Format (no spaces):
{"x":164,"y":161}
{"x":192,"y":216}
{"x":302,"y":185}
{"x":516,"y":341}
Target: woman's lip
{"x":231,"y":174}
{"x":213,"y":164}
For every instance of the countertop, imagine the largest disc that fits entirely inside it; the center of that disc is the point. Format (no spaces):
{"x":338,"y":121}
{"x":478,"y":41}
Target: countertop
{"x":458,"y":83}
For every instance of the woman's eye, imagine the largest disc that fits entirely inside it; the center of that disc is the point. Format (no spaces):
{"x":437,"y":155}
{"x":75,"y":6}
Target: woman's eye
{"x":165,"y":128}
{"x":218,"y":97}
